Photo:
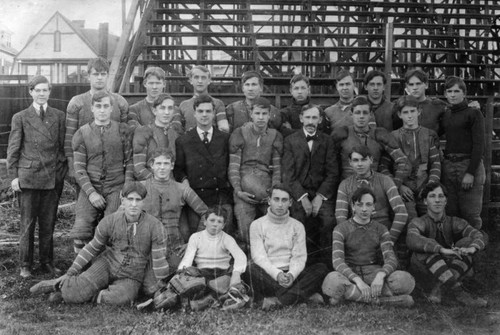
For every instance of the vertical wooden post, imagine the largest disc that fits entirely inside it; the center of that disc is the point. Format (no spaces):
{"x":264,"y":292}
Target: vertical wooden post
{"x":389,"y":46}
{"x":488,"y":157}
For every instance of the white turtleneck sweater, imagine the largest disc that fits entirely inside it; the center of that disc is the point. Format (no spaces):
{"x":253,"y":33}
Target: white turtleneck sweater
{"x":278,"y":243}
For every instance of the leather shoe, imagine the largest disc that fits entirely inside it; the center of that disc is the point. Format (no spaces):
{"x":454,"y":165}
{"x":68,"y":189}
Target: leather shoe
{"x":25,"y":272}
{"x":51,"y":269}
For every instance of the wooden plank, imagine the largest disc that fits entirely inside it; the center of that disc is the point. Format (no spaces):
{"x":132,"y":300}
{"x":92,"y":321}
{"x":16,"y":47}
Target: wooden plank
{"x":116,"y":61}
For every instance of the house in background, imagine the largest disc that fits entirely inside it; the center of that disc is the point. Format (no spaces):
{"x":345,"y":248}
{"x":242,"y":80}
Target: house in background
{"x":7,"y":52}
{"x":61,"y":49}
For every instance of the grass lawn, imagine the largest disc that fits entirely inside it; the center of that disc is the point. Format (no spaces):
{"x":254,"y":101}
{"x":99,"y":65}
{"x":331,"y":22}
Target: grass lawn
{"x":20,"y":313}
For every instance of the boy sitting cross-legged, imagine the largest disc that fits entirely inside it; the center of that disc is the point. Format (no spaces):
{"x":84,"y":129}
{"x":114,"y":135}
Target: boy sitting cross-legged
{"x":211,"y":250}
{"x":359,"y":275}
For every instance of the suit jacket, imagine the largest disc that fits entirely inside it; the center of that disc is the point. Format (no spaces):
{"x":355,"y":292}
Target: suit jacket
{"x":35,"y":153}
{"x":307,"y":171}
{"x":205,"y":167}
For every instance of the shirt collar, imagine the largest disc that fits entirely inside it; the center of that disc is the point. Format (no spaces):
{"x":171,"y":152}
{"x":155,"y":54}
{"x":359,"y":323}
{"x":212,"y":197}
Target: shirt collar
{"x":37,"y":106}
{"x":200,"y":132}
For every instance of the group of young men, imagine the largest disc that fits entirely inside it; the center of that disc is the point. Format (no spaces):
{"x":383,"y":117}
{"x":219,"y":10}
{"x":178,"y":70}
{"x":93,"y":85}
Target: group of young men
{"x":329,"y":204}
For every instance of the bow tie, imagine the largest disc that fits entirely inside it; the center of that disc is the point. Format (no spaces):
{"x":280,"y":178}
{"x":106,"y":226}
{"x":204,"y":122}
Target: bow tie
{"x":311,"y":138}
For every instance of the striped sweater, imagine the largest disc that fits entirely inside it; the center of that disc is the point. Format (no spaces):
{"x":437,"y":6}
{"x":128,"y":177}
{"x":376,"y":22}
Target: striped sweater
{"x":126,"y":246}
{"x":387,"y":200}
{"x":358,"y":245}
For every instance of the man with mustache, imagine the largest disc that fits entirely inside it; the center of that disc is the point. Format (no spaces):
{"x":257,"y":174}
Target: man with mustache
{"x":310,"y":169}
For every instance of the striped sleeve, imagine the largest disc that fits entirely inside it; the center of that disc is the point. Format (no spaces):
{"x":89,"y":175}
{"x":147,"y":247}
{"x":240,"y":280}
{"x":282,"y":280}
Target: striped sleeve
{"x":276,"y":159}
{"x":402,"y":165}
{"x":416,"y":239}
{"x":435,"y":159}
{"x":71,"y":126}
{"x":158,"y":251}
{"x":398,"y":208}
{"x":464,"y":228}
{"x":386,"y":246}
{"x":80,"y":163}
{"x":236,"y":144}
{"x":338,"y":252}
{"x":91,"y":250}
{"x":196,"y":204}
{"x":342,"y":203}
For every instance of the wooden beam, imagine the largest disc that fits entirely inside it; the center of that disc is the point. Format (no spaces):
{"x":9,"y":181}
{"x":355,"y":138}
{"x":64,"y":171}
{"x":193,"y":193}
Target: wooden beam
{"x":122,"y":44}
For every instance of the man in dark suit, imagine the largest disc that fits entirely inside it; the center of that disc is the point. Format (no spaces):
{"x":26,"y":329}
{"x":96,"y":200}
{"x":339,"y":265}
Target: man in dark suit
{"x":35,"y":157}
{"x":202,"y":159}
{"x":310,"y":168}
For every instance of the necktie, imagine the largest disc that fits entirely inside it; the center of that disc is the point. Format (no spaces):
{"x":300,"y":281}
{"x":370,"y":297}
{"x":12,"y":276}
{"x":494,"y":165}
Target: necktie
{"x":42,"y":113}
{"x":205,"y":137}
{"x":311,"y":138}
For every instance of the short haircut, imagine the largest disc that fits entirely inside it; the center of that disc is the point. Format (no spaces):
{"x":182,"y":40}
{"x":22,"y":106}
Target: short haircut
{"x":98,"y":64}
{"x":431,"y":186}
{"x":342,"y":74}
{"x":218,"y":210}
{"x":362,"y":150}
{"x":158,"y":152}
{"x":452,"y":81}
{"x":154,"y":71}
{"x":101,"y":95}
{"x":404,"y":101}
{"x":262,"y":103}
{"x":360,"y":101}
{"x":201,"y":68}
{"x":309,"y":106}
{"x":162,"y":97}
{"x":252,"y":74}
{"x":38,"y":80}
{"x":201,"y":99}
{"x":358,"y":194}
{"x":421,"y":75}
{"x":372,"y":74}
{"x":299,"y":77}
{"x":281,"y":187}
{"x":134,"y":186}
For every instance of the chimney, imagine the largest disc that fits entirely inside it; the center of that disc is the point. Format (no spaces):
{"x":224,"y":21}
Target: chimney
{"x":103,"y":40}
{"x":79,"y":23}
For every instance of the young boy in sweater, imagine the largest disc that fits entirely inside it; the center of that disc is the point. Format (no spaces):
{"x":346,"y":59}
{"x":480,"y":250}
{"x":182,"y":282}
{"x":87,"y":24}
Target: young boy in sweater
{"x":211,"y":250}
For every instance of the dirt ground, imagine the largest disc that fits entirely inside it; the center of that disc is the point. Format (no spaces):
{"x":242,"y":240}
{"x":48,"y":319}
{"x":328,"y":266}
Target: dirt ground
{"x":21,"y":313}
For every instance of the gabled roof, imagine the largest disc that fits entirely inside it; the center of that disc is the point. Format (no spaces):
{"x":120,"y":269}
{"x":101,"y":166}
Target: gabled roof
{"x":89,"y":36}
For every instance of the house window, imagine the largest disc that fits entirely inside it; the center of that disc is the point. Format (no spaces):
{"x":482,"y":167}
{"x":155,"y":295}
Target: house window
{"x":76,"y":73}
{"x":57,"y":41}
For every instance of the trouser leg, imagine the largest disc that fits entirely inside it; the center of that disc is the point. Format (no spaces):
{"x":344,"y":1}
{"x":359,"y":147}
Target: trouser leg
{"x":85,"y":286}
{"x":46,"y":221}
{"x":28,"y":203}
{"x":120,"y":292}
{"x":306,"y":284}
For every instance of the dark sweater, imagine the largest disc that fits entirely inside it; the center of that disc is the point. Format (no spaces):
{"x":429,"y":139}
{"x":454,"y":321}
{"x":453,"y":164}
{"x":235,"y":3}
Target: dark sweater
{"x":464,"y":130}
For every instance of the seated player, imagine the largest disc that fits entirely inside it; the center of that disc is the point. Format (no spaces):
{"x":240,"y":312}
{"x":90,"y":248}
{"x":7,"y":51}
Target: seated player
{"x":165,"y":200}
{"x":359,"y":273}
{"x":443,"y":247}
{"x":240,"y":112}
{"x":278,"y":269}
{"x":118,"y":254}
{"x":211,"y":250}
{"x":160,"y":133}
{"x":420,"y":145}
